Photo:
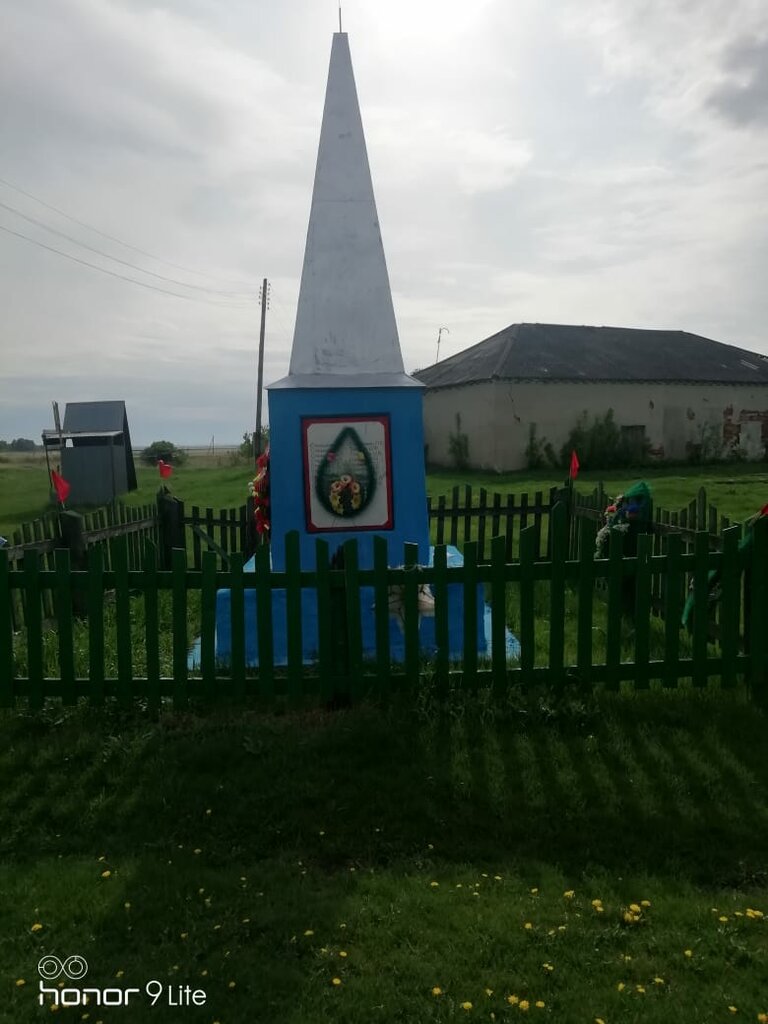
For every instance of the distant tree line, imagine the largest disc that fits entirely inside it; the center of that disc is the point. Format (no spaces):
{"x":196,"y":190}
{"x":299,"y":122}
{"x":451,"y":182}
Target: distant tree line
{"x":18,"y":444}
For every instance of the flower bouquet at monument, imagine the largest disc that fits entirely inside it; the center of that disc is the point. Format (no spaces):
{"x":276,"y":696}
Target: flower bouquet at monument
{"x":258,"y":488}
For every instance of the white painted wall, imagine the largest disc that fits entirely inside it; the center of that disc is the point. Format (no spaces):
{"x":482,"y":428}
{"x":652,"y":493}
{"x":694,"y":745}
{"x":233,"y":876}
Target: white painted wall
{"x":496,"y":417}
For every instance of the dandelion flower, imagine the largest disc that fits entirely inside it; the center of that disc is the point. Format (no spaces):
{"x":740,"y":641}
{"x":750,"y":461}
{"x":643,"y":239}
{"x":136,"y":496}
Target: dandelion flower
{"x":688,"y":952}
{"x":119,"y":974}
{"x":540,"y":1004}
{"x":599,"y":1020}
{"x":733,"y":1009}
{"x":620,"y":987}
{"x":336,"y":981}
{"x":198,"y":850}
{"x":640,"y":989}
{"x":20,"y":982}
{"x":437,"y":991}
{"x":658,"y":981}
{"x":534,"y":892}
{"x":635,"y":908}
{"x":127,"y":905}
{"x":36,"y":927}
{"x":232,"y":984}
{"x":645,"y":903}
{"x":342,"y":952}
{"x":569,"y":894}
{"x":524,"y":1005}
{"x":308,"y":933}
{"x":434,"y":885}
{"x":528,"y":926}
{"x":106,"y":874}
{"x":548,"y":967}
{"x":497,"y":878}
{"x":489,"y":992}
{"x":466,"y":1005}
{"x":513,"y":1000}
{"x":722,"y":919}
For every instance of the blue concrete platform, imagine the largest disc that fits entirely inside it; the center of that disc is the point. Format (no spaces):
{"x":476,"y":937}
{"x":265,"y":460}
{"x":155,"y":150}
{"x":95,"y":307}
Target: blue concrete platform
{"x":309,"y":619}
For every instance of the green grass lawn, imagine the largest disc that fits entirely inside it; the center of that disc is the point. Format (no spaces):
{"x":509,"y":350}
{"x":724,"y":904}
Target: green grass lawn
{"x":428,"y":861}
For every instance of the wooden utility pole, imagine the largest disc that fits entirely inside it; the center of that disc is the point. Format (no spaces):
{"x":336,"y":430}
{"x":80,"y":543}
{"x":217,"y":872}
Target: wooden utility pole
{"x":263,"y":299}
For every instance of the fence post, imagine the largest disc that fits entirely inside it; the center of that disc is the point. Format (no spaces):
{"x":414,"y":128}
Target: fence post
{"x":170,"y":514}
{"x":758,"y":614}
{"x":73,"y":537}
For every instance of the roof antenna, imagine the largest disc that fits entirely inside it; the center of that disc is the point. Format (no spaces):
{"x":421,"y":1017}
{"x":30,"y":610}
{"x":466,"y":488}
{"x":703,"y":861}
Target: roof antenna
{"x":340,"y":28}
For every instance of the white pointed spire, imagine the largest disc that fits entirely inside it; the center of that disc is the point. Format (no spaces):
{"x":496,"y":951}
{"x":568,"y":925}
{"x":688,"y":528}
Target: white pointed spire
{"x":345,"y":322}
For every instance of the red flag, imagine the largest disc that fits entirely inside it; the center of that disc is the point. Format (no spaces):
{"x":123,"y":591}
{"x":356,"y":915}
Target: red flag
{"x":60,"y":485}
{"x":574,"y":470}
{"x":164,"y":468}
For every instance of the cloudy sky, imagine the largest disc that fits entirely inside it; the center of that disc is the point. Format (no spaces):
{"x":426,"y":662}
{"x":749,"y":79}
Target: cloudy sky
{"x":573,"y":161}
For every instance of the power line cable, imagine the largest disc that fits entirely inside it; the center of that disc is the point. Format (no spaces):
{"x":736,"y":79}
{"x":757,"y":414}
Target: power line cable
{"x":122,"y":277}
{"x":116,"y":259}
{"x":113,"y":238}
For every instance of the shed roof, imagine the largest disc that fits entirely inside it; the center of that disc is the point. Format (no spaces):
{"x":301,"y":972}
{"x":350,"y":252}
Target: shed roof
{"x":563,"y":352}
{"x":94,"y":417}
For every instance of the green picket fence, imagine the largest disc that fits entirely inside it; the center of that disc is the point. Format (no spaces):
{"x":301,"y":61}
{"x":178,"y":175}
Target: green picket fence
{"x":586,"y":621}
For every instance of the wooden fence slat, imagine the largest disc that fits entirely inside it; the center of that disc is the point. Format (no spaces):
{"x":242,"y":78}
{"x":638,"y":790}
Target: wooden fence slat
{"x":467,"y":513}
{"x":264,"y":623}
{"x":65,"y":625}
{"x":527,"y":604}
{"x":237,"y":610}
{"x":558,"y":542}
{"x":673,"y":608}
{"x":586,"y":596}
{"x":196,"y":549}
{"x":325,"y":639}
{"x":469,"y":679}
{"x":730,"y":606}
{"x":96,"y":671}
{"x":151,"y":623}
{"x":381,"y":613}
{"x":758,"y":615}
{"x":509,"y":530}
{"x":123,"y":639}
{"x":701,"y":607}
{"x":614,"y":611}
{"x":411,"y":614}
{"x":293,"y":609}
{"x":643,"y":585}
{"x":496,"y":518}
{"x":440,"y":536}
{"x":208,"y":623}
{"x":454,"y":520}
{"x":498,"y":617}
{"x":482,"y":512}
{"x":34,"y":621}
{"x":442,"y":653}
{"x":6,"y":633}
{"x":179,"y":617}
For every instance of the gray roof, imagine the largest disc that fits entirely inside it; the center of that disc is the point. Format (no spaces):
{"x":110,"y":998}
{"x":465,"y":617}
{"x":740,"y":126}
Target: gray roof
{"x":94,"y":417}
{"x":560,"y":352}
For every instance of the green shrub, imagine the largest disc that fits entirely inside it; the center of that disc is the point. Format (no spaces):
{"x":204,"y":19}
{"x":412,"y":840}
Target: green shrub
{"x":601,"y":444}
{"x":165,"y":450}
{"x":458,"y":446}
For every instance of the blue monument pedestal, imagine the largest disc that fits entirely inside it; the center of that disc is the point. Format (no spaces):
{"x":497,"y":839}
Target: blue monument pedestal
{"x":309,"y":624}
